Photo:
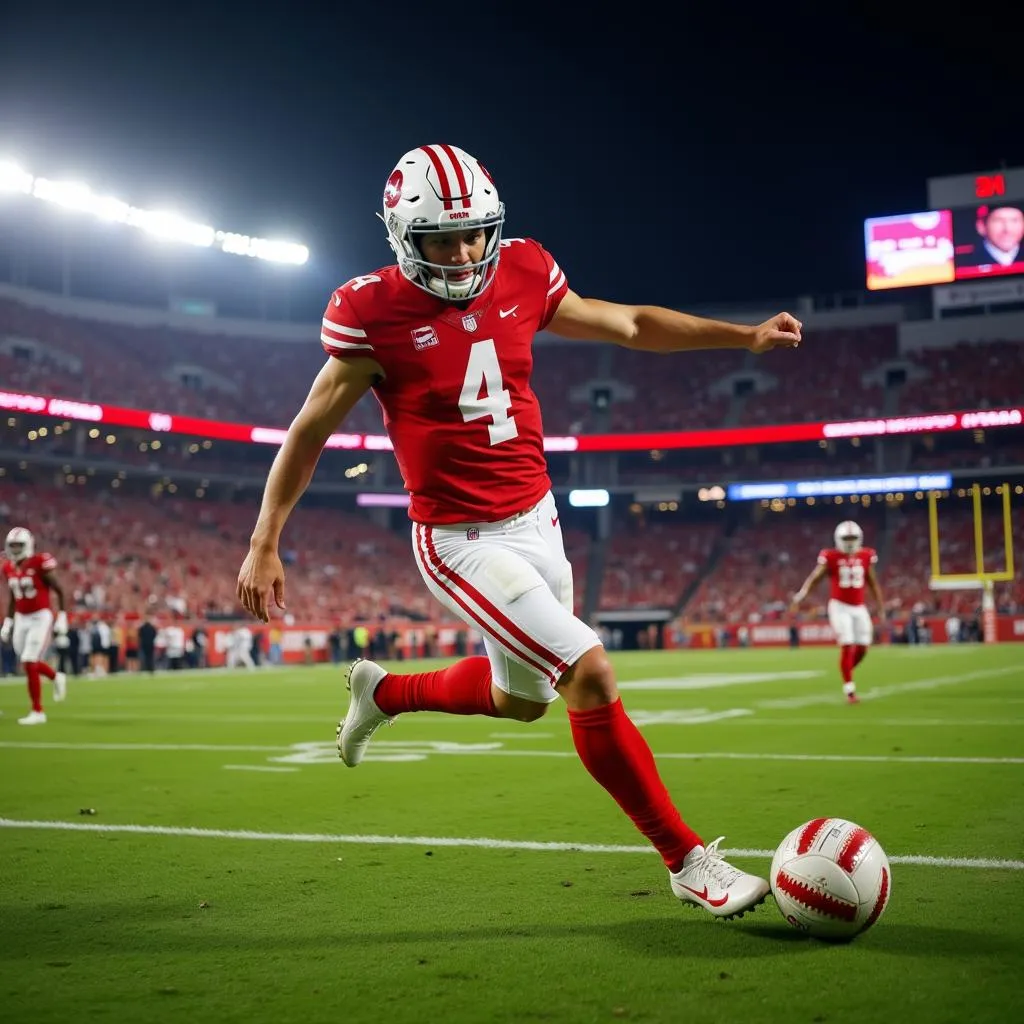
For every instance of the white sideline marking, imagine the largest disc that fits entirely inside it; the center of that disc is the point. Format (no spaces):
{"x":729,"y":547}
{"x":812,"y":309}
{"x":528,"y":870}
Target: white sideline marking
{"x":451,"y":841}
{"x":213,"y":747}
{"x":911,"y":723}
{"x":424,"y":747}
{"x":257,"y":768}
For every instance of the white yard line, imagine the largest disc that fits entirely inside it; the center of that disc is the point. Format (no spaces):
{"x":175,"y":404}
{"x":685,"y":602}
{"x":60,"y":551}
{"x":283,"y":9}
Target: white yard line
{"x":425,"y":747}
{"x":448,"y":841}
{"x":213,"y":747}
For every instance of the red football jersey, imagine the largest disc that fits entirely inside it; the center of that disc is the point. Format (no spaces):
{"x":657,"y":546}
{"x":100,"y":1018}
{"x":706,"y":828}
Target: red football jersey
{"x":25,"y":578}
{"x":848,"y":574}
{"x":464,"y":423}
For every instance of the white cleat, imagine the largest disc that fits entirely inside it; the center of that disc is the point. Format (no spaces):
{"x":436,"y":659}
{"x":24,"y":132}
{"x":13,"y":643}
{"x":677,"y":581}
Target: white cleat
{"x":708,"y":880}
{"x":364,"y":718}
{"x":33,"y":718}
{"x":60,"y":686}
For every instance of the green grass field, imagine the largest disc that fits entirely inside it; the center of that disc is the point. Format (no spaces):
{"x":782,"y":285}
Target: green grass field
{"x":471,"y":871}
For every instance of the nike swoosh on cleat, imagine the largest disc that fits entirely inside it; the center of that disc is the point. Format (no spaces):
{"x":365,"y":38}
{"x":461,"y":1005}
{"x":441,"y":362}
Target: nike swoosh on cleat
{"x":703,"y":895}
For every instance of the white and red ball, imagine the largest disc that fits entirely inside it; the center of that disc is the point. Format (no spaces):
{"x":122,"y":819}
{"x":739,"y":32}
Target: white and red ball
{"x":831,"y":878}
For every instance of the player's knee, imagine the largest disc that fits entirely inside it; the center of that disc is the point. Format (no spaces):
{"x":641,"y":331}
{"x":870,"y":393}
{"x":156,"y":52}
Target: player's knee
{"x":518,"y":708}
{"x":530,"y":711}
{"x":590,"y":683}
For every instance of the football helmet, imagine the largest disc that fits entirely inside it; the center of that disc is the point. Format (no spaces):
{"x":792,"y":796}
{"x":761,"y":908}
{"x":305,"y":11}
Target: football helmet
{"x":442,"y":188}
{"x":849,"y":537}
{"x":20,"y":544}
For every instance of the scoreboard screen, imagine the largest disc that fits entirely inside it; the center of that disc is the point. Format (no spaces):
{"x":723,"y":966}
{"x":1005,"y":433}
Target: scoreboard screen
{"x":975,"y":231}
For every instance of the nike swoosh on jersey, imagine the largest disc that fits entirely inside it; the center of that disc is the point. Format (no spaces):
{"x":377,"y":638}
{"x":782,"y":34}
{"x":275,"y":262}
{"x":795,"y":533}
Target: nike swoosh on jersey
{"x":507,"y":312}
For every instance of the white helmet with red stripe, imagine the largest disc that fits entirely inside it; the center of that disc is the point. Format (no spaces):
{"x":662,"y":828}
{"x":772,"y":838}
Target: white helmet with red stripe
{"x":849,"y":537}
{"x":20,"y":544}
{"x":442,"y":188}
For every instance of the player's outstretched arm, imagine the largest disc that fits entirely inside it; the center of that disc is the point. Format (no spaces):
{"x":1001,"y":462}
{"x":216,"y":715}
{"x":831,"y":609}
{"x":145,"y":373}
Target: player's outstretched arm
{"x":809,"y":584}
{"x":337,"y":388}
{"x":656,"y":329}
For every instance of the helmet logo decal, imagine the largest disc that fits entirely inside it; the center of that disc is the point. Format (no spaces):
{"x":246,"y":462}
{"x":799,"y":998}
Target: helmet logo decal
{"x":393,"y":189}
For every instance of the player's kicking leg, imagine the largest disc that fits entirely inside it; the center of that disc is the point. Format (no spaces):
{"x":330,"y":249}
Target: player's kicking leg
{"x":608,"y":743}
{"x":536,"y":642}
{"x":615,"y":753}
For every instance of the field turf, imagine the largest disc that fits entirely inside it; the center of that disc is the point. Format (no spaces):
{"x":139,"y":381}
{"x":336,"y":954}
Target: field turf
{"x":189,"y":847}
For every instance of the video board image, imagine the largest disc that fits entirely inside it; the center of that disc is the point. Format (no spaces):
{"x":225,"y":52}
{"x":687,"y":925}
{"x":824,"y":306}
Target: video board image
{"x":987,"y":239}
{"x":909,"y":249}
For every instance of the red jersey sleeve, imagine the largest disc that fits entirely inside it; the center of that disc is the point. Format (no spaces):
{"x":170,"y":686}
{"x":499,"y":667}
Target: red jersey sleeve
{"x":342,"y":332}
{"x":823,"y":558}
{"x":47,"y":562}
{"x":557,"y":286}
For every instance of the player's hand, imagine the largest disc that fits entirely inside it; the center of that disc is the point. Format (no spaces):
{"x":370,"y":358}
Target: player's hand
{"x":5,"y":630}
{"x":61,"y":641}
{"x":794,"y":608}
{"x":261,"y":575}
{"x":782,"y":331}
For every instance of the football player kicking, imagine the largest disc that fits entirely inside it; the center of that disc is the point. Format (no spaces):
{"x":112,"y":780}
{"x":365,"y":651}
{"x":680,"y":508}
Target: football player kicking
{"x":850,"y":568}
{"x":444,"y":340}
{"x":29,"y":622}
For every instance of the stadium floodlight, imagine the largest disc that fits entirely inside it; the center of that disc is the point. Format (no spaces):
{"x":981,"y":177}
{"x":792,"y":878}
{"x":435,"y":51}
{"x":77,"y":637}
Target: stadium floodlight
{"x":13,"y":178}
{"x":77,"y":196}
{"x":161,"y":224}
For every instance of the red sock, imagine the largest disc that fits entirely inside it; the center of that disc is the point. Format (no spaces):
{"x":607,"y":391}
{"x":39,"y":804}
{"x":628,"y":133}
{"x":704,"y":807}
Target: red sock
{"x":613,"y":751}
{"x":859,"y":654}
{"x":846,"y":662}
{"x":35,"y":686}
{"x":45,"y":670}
{"x":461,"y":689}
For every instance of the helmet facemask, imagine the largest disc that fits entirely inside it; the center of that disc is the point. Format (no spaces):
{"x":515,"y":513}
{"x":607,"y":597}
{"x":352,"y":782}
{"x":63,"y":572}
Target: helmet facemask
{"x":437,"y":278}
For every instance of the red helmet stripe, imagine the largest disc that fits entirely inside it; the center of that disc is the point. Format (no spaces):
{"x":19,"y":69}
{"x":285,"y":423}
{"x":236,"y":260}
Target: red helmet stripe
{"x":459,"y":176}
{"x":442,"y":176}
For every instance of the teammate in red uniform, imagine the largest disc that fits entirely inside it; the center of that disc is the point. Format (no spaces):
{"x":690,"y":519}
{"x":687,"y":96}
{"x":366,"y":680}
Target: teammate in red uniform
{"x":30,"y":619}
{"x":850,"y":568}
{"x":444,"y":340}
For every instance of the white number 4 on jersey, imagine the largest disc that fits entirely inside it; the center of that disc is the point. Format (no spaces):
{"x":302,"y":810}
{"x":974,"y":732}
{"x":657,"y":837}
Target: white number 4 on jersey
{"x":484,"y":393}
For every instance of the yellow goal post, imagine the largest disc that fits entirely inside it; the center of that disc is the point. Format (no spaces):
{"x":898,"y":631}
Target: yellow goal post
{"x":981,"y":575}
{"x":981,"y":579}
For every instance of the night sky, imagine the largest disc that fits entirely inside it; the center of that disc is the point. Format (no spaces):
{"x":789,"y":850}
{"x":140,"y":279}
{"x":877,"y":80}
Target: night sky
{"x":676,"y":158}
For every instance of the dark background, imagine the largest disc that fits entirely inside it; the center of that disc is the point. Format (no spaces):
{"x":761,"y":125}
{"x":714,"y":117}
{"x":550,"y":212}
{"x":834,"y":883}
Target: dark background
{"x":669,"y":156}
